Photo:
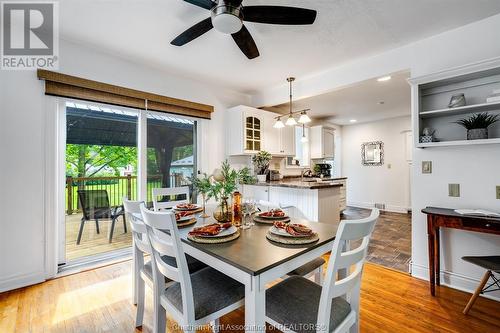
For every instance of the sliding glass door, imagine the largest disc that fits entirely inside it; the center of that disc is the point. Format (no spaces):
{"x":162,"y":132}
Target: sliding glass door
{"x":102,"y":167}
{"x":171,"y":151}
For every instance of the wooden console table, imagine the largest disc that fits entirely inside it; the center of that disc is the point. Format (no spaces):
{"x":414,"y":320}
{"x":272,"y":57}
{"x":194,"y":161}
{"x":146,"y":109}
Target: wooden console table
{"x":448,"y":218}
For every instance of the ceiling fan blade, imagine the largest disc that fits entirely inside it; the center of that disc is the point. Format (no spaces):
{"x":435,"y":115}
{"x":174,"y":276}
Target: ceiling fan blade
{"x":246,"y":43}
{"x":194,"y":32}
{"x":207,"y":4}
{"x":279,"y":15}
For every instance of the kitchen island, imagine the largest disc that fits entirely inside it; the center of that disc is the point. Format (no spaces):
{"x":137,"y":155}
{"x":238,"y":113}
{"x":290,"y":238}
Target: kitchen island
{"x":302,"y":198}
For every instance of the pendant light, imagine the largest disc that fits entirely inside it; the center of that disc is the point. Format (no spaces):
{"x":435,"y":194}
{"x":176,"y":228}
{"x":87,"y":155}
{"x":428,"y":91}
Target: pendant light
{"x":291,"y":120}
{"x":279,"y":123}
{"x":303,"y":139}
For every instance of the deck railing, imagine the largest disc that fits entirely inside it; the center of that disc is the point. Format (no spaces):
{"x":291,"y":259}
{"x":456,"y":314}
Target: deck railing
{"x":117,"y":188}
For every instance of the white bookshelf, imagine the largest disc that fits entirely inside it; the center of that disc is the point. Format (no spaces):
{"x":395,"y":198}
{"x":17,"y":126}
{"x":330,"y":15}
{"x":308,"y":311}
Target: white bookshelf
{"x":432,"y":93}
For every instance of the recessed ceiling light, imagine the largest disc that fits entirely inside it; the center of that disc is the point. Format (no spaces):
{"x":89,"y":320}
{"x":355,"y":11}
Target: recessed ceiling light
{"x":352,"y":120}
{"x":384,"y":78}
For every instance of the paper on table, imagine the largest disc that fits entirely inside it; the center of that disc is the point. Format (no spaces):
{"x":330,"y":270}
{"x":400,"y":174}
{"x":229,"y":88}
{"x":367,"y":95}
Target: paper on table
{"x":478,"y":212}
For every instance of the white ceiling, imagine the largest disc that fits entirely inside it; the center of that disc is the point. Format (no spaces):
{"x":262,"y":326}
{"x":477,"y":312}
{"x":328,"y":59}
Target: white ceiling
{"x":141,"y":30}
{"x":360,"y":102}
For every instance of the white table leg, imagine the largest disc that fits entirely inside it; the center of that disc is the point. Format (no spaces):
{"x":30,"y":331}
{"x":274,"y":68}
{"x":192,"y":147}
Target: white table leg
{"x":255,"y":306}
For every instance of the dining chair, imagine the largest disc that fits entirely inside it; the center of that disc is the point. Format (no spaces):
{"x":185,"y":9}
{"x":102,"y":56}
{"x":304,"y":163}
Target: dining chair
{"x":192,"y":300}
{"x":313,"y":267}
{"x":95,"y":206}
{"x":491,"y":264}
{"x":169,"y":192}
{"x":307,"y":307}
{"x":143,"y":270}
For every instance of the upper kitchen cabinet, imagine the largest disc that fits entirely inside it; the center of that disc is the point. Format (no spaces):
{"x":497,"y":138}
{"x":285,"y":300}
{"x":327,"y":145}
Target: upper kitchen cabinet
{"x":322,"y":142}
{"x":250,"y":130}
{"x":244,"y":130}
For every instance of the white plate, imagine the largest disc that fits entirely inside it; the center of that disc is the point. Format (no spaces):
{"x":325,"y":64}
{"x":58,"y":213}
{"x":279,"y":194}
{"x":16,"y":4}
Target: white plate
{"x":186,"y":218}
{"x":281,"y":232}
{"x":272,"y":217}
{"x":184,"y":209}
{"x":228,"y":232}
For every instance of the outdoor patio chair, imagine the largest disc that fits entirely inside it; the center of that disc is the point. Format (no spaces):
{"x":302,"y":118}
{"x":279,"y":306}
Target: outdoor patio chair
{"x":95,"y":206}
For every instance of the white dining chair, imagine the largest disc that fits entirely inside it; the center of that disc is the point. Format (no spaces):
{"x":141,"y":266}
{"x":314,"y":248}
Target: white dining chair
{"x":143,"y":270}
{"x":313,"y":267}
{"x":192,"y":300}
{"x":169,"y":191}
{"x":300,"y":303}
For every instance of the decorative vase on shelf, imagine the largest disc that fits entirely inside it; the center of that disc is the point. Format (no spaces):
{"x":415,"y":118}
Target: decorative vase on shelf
{"x":261,"y":178}
{"x":223,"y":213}
{"x":457,"y":101}
{"x":477,"y":134}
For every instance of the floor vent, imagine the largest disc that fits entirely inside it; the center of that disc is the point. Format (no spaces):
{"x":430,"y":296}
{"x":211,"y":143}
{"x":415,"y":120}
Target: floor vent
{"x":380,"y":206}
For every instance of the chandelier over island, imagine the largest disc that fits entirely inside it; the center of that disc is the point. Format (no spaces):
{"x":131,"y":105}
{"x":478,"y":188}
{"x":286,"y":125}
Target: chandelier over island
{"x":291,"y":121}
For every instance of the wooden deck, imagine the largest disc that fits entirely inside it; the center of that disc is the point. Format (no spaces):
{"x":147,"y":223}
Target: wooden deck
{"x":100,"y":301}
{"x":93,"y":243}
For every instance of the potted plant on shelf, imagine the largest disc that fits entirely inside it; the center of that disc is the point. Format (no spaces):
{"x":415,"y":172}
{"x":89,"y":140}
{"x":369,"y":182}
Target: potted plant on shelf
{"x":261,"y":162}
{"x":477,"y":125}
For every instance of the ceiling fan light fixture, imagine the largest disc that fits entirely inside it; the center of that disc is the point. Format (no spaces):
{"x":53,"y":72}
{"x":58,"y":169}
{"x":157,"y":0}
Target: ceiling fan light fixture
{"x":279,"y":124}
{"x":291,"y":121}
{"x":304,"y":118}
{"x":226,"y":18}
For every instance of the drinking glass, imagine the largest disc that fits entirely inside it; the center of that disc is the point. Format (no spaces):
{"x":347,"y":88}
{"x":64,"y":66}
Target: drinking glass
{"x":248,"y":207}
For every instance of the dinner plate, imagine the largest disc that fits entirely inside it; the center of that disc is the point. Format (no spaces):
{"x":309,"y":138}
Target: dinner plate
{"x":281,"y":232}
{"x":186,"y":218}
{"x":272,"y":217}
{"x":195,"y":206}
{"x":228,"y":232}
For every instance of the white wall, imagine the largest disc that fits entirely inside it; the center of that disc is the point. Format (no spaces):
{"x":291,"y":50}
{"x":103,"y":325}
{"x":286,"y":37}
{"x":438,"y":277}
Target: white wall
{"x":368,"y":185}
{"x":22,"y":146}
{"x":475,"y":168}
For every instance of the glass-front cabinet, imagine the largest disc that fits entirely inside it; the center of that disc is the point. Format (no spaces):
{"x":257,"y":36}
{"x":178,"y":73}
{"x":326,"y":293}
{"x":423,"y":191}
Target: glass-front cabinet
{"x":253,"y":133}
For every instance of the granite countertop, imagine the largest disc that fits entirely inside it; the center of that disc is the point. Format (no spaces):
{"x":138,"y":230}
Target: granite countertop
{"x":297,"y":183}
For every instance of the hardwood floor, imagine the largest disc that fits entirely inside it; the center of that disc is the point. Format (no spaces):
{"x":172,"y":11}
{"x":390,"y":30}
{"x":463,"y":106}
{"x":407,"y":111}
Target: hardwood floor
{"x":390,"y":244}
{"x":100,"y":301}
{"x":93,"y":243}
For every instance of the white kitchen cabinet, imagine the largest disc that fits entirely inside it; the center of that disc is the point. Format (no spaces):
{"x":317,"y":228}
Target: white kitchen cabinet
{"x":256,"y":192}
{"x":250,"y":130}
{"x":322,"y":142}
{"x":244,"y":130}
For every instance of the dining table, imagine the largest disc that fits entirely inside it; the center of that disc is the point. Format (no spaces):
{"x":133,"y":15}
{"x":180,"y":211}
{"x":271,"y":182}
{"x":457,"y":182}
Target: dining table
{"x":255,"y":261}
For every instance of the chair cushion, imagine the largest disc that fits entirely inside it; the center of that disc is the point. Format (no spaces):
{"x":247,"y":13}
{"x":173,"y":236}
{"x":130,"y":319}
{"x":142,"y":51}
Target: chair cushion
{"x":212,"y":291}
{"x":491,"y":263}
{"x":294,"y":303}
{"x":194,"y":265}
{"x":308,"y":268}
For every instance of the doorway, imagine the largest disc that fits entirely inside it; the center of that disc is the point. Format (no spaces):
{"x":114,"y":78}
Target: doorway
{"x":103,"y":165}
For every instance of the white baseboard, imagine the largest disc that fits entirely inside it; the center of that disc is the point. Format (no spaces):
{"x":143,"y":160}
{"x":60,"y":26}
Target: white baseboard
{"x":453,"y":280}
{"x":18,"y":281}
{"x":388,"y":208}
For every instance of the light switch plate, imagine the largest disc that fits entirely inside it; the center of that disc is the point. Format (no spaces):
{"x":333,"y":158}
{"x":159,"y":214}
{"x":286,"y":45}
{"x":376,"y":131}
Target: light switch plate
{"x":498,"y":191}
{"x":454,"y":190}
{"x":426,"y":166}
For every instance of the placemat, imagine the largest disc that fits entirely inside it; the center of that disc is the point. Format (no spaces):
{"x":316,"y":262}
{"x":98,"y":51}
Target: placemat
{"x":215,"y":240}
{"x":187,"y":222}
{"x":259,"y":219}
{"x":291,"y":240}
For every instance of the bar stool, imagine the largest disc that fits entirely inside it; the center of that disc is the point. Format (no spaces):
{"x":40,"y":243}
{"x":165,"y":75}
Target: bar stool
{"x":491,"y":264}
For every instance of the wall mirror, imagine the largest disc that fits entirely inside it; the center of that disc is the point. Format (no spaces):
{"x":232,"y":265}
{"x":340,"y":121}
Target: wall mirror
{"x":372,"y":153}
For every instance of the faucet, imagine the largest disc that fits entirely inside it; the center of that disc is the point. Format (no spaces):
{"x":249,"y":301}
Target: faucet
{"x":304,"y":171}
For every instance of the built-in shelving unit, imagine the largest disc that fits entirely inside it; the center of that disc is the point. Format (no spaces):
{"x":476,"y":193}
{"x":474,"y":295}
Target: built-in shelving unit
{"x":432,"y":93}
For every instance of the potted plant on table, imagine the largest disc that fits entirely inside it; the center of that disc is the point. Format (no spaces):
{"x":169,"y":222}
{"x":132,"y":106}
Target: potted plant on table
{"x":477,"y":125}
{"x":202,"y":185}
{"x":261,"y":162}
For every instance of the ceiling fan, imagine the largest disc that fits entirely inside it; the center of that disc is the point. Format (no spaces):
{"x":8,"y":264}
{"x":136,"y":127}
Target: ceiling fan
{"x":227,"y":16}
